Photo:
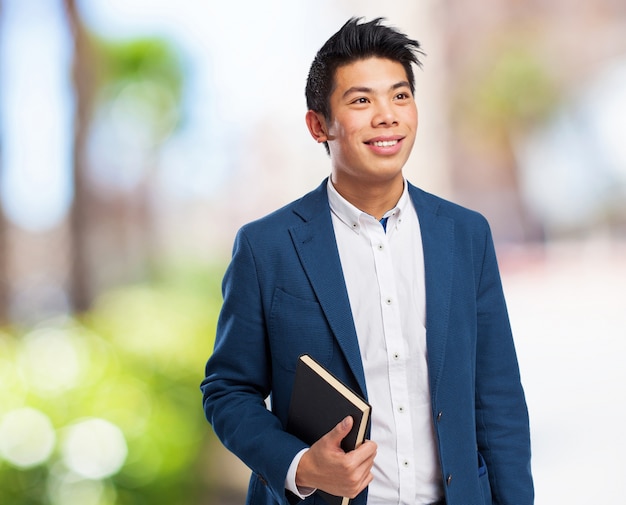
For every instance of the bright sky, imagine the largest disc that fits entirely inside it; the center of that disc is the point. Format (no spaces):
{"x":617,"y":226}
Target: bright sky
{"x":36,"y":110}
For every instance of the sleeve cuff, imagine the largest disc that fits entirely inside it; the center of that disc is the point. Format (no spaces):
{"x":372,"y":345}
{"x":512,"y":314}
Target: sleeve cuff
{"x":290,"y":480}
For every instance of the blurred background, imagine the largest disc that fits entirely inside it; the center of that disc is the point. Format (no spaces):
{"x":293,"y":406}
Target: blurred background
{"x":136,"y":136}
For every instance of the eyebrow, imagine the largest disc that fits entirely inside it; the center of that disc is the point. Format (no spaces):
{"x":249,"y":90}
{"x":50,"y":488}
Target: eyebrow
{"x":365,"y":89}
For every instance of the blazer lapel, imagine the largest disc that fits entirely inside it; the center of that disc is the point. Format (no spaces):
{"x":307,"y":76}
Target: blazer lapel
{"x":314,"y":241}
{"x":438,"y":245}
{"x":315,"y":244}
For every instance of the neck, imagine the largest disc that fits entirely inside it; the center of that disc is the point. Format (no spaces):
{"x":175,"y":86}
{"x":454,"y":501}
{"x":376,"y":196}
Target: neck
{"x":374,"y":199}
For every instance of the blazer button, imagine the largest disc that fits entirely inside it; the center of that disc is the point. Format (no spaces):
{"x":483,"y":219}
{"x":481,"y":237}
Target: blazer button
{"x":449,"y":479}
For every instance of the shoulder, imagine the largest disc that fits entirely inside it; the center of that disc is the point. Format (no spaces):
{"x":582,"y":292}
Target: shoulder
{"x":310,"y":206}
{"x":428,"y":203}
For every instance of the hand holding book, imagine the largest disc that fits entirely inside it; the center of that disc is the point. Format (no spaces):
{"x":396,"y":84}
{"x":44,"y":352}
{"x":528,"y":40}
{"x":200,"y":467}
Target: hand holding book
{"x":327,"y":466}
{"x":333,"y":419}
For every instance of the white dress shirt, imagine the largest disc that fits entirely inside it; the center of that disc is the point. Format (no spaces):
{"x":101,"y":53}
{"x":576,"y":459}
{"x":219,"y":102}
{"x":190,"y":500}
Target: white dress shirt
{"x":384,"y":274}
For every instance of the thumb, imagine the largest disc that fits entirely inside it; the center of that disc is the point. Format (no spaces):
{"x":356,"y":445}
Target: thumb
{"x":339,"y":432}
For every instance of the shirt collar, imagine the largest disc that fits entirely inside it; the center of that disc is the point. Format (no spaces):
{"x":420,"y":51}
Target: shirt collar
{"x":351,"y":216}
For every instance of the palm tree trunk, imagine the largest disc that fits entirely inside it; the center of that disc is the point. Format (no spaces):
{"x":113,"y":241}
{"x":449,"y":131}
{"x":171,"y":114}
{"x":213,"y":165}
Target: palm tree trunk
{"x":81,"y":285}
{"x":4,"y":253}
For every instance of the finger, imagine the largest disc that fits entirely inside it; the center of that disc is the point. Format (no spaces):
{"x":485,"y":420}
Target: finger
{"x":339,"y":432}
{"x":365,"y":452}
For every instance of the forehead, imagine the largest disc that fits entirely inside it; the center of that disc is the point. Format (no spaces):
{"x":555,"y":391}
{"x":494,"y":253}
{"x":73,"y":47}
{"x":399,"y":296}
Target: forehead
{"x":371,"y":73}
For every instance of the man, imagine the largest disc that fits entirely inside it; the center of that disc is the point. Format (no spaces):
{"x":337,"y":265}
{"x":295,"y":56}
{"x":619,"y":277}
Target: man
{"x":394,"y":290}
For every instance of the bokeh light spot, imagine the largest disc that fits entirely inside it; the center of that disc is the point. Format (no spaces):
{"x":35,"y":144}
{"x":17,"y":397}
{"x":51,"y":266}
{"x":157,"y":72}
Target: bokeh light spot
{"x":50,"y":361}
{"x":94,"y":448}
{"x":27,"y":437}
{"x":70,"y":488}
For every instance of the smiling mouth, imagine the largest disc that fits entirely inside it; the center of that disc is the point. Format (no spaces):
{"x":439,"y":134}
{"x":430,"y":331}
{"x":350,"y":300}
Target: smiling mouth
{"x":384,"y":143}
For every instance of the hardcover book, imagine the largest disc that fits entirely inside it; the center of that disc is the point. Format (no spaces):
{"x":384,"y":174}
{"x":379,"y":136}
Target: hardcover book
{"x":319,"y":401}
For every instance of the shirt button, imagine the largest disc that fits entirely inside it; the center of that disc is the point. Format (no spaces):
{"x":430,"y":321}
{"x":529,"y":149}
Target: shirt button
{"x":388,"y":301}
{"x":380,"y":247}
{"x":405,"y":464}
{"x":401,"y":409}
{"x":396,"y":355}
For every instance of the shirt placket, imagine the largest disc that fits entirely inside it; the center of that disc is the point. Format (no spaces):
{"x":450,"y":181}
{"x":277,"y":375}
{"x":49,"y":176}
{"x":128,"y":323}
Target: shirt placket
{"x":396,"y":363}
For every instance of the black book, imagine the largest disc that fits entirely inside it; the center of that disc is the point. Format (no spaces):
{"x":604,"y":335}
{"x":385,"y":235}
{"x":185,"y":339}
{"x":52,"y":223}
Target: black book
{"x":319,"y":401}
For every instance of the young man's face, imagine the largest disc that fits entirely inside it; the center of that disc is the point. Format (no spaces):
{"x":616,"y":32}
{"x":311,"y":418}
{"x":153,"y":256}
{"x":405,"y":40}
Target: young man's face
{"x":373,"y":122}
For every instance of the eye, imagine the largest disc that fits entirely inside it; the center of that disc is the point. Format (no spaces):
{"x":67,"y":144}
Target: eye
{"x":360,"y":100}
{"x":403,"y":96}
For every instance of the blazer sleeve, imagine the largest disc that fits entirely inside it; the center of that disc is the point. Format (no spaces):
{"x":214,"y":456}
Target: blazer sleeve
{"x":502,"y":424}
{"x":238,"y":377}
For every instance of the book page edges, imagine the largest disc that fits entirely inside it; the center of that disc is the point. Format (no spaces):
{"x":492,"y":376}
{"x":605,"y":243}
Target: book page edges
{"x":339,"y":386}
{"x":361,"y":434}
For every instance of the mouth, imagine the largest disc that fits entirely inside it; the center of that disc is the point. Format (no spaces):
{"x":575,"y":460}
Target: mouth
{"x":384,"y":143}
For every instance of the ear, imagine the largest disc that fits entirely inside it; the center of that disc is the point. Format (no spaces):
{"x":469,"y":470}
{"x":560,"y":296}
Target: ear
{"x":317,"y":126}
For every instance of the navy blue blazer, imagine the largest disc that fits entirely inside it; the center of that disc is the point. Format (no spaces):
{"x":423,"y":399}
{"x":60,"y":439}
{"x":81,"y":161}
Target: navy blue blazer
{"x":285,"y":295}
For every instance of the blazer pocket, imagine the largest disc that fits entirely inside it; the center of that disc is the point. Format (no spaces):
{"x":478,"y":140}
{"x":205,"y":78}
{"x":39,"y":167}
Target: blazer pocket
{"x":297,"y":327}
{"x":483,"y":479}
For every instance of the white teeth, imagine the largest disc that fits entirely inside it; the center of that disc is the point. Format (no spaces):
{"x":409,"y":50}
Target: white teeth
{"x":385,"y":143}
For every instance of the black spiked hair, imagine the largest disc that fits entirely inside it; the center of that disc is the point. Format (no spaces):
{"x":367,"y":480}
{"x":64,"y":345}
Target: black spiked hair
{"x":357,"y":40}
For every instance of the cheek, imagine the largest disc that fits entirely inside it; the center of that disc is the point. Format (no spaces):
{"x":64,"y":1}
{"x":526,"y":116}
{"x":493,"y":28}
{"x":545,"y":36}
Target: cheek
{"x":343,"y":127}
{"x":412,"y":117}
{"x":344,"y":139}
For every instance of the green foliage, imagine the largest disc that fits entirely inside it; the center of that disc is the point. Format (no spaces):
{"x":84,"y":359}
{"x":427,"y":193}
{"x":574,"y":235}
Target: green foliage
{"x":516,"y":89}
{"x":512,"y":90}
{"x":143,"y":59}
{"x":142,"y":81}
{"x":133,"y":364}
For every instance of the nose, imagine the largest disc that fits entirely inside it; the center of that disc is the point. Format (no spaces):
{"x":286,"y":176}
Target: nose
{"x":385,"y":115}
